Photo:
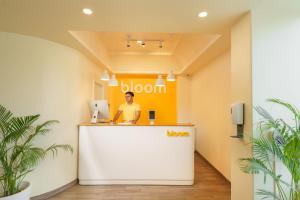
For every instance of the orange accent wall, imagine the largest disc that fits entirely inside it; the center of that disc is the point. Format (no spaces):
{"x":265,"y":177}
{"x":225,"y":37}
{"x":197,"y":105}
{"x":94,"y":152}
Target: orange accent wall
{"x":150,"y":97}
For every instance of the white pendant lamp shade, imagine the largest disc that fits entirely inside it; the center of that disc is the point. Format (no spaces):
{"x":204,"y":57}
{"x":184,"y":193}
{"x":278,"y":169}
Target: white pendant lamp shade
{"x":159,"y":81}
{"x":105,"y":76}
{"x":171,"y":77}
{"x":113,"y":81}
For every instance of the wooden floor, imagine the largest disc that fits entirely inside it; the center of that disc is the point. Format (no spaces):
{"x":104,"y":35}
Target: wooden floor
{"x":209,"y":184}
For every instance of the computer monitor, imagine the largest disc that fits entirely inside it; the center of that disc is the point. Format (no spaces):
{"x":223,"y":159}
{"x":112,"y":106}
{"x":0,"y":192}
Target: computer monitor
{"x":100,"y":111}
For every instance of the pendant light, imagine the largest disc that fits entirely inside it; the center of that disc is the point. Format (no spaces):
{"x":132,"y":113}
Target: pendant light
{"x":159,"y":81}
{"x":113,"y":81}
{"x":171,"y":77}
{"x":105,"y":76}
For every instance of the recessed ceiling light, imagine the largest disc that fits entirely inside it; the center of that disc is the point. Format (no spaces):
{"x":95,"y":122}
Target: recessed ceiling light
{"x":87,"y":11}
{"x":203,"y":14}
{"x":139,"y":42}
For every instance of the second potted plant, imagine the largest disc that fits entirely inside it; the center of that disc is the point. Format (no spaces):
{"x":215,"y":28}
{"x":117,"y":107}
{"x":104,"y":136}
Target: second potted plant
{"x":278,"y":142}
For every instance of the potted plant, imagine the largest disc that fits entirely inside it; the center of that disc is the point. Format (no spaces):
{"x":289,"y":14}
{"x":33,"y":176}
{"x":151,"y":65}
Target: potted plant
{"x":18,"y":154}
{"x":278,"y":143}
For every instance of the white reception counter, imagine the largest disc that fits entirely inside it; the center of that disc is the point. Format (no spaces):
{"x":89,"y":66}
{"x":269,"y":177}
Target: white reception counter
{"x":136,"y":154}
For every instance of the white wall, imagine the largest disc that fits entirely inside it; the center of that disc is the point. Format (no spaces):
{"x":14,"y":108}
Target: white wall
{"x":210,"y":103}
{"x":276,"y":58}
{"x":39,"y":76}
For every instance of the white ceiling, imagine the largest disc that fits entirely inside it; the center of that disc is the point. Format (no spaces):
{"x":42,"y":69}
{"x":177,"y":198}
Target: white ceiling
{"x":53,"y":19}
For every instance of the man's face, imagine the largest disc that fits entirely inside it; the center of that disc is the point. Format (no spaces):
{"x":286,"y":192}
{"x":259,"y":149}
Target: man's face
{"x":128,"y":98}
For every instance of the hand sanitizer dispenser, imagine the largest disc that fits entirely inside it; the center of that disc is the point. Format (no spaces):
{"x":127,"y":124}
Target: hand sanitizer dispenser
{"x":237,"y":116}
{"x":237,"y":113}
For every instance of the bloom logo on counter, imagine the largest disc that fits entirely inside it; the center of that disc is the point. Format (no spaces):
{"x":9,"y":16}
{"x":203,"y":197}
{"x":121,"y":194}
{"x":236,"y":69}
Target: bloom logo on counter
{"x":177,"y":134}
{"x":142,"y":88}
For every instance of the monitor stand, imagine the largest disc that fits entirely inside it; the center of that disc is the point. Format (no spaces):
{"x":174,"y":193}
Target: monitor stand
{"x":95,"y":116}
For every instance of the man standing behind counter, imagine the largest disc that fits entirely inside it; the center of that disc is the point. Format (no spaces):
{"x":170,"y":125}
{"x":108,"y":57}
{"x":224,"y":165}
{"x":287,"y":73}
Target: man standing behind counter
{"x":131,"y":111}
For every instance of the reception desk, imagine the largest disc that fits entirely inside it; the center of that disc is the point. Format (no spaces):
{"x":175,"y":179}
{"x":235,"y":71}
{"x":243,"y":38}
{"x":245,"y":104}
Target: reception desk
{"x":136,"y":154}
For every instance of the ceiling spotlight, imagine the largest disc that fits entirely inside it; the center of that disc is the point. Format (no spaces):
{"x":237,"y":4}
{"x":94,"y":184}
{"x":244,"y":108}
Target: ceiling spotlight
{"x":139,"y":42}
{"x":128,"y":44}
{"x":87,"y":11}
{"x":160,"y":44}
{"x":202,"y":14}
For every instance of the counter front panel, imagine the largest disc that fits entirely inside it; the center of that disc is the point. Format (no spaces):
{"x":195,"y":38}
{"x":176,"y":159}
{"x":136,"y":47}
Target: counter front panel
{"x":162,"y":155}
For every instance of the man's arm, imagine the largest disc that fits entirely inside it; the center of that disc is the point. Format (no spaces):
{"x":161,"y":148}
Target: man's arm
{"x":117,"y":115}
{"x":137,"y":116}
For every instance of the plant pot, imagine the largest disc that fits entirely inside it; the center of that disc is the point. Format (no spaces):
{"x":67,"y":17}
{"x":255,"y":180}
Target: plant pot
{"x":24,"y":194}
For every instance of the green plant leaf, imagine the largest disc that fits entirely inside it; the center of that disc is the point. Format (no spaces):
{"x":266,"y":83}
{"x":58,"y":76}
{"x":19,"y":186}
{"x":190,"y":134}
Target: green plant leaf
{"x":54,"y":148}
{"x":19,"y":127}
{"x":18,"y":154}
{"x":5,"y":117}
{"x":277,"y":141}
{"x":289,"y":106}
{"x":268,"y":194}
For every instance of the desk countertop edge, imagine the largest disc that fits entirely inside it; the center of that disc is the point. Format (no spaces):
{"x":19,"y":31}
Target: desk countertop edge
{"x":132,"y":125}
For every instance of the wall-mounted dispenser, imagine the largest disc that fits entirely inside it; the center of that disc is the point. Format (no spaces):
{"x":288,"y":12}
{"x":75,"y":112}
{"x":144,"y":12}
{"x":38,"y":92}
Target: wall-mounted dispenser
{"x":237,"y":116}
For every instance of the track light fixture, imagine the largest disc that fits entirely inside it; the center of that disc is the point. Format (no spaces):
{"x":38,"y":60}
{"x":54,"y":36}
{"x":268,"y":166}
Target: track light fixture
{"x":144,"y":42}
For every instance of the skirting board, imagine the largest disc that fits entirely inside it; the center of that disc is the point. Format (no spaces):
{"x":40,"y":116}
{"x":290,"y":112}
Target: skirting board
{"x":55,"y":192}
